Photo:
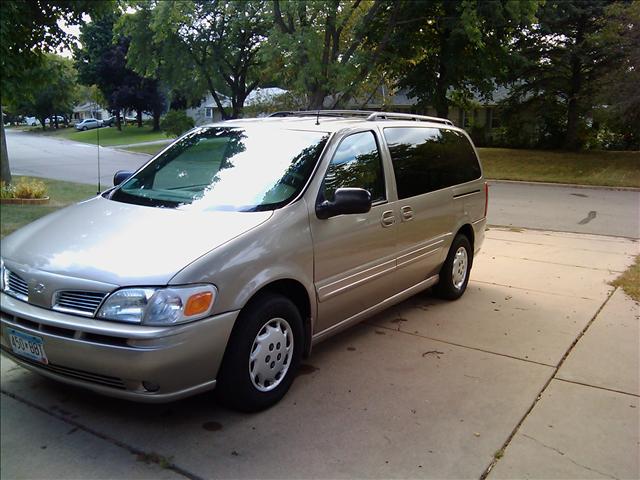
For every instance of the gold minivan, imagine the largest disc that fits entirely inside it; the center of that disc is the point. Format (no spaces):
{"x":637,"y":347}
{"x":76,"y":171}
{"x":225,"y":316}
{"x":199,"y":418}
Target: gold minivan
{"x":226,"y":257}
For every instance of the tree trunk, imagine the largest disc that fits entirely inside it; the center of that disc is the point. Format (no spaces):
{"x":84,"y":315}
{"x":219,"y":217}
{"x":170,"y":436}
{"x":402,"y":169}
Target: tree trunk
{"x":440,"y":101}
{"x":118,"y":122}
{"x":139,"y":118}
{"x":156,"y":120}
{"x":56,"y":121}
{"x":316,"y":99}
{"x":571,"y":140}
{"x":5,"y":171}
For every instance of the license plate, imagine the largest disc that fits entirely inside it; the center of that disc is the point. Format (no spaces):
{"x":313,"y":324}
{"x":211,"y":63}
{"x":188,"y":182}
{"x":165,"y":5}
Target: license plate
{"x":28,"y":346}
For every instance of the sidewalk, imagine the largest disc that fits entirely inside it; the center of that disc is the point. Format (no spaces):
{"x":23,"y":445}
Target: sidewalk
{"x":532,"y":373}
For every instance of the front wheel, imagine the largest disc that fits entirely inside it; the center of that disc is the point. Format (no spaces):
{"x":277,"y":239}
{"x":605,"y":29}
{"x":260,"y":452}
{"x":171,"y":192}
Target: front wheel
{"x":262,"y":355}
{"x":454,"y":274}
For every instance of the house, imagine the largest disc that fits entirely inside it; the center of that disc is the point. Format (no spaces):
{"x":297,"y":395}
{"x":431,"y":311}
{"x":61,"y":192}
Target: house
{"x":482,"y":114}
{"x":89,"y":110}
{"x":208,"y":111}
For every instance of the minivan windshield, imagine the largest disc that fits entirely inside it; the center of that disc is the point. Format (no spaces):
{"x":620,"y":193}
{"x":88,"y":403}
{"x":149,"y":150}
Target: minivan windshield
{"x":227,"y":168}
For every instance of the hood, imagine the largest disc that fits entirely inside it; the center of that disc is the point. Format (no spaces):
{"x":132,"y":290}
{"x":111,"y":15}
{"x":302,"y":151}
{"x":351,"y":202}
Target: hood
{"x":123,"y":244}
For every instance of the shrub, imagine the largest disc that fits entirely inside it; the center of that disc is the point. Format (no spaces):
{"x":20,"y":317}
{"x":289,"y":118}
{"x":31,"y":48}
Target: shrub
{"x":24,"y":188}
{"x":7,"y":190}
{"x":176,"y":122}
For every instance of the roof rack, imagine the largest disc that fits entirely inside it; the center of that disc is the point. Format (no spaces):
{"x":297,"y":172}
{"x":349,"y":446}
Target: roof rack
{"x":367,"y":114}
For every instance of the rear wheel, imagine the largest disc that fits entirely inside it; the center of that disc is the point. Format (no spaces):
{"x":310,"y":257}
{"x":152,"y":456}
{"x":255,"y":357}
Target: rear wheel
{"x":454,"y":274}
{"x":263,"y":354}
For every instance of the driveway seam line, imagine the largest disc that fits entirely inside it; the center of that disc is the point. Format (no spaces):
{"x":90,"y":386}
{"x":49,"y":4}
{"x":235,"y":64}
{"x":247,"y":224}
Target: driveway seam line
{"x":495,"y":460}
{"x":534,"y":290}
{"x":598,"y":387}
{"x":560,"y":264}
{"x":149,"y":457}
{"x":459,"y":345}
{"x":492,"y":225}
{"x":489,"y":237}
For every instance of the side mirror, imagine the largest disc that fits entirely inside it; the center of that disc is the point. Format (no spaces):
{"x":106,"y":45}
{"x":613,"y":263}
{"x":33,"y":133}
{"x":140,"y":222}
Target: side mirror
{"x":121,"y":176}
{"x":347,"y":201}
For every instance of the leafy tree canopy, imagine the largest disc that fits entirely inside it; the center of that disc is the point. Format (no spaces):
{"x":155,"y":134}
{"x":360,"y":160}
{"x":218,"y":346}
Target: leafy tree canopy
{"x":460,"y":46}
{"x":58,"y":93}
{"x":217,"y":42}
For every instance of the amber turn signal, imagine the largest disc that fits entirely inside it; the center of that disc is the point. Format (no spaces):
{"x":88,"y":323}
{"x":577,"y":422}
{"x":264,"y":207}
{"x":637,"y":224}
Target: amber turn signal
{"x":198,"y":303}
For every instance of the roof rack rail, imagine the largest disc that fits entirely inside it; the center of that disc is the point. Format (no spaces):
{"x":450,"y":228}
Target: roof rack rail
{"x":367,"y":114}
{"x":322,"y":113}
{"x":406,"y":116}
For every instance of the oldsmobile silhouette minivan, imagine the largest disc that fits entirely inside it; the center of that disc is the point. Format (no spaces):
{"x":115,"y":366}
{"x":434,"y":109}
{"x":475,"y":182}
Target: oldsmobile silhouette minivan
{"x":225,"y":258}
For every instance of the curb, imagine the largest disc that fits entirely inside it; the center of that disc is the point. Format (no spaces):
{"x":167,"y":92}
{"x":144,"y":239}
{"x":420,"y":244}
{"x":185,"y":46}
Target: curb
{"x":571,"y":185}
{"x":24,"y":201}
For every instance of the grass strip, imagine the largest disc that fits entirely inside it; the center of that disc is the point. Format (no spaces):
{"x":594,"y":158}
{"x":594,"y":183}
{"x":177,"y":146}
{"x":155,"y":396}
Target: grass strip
{"x":629,"y":281}
{"x":605,"y":168}
{"x":61,"y":194}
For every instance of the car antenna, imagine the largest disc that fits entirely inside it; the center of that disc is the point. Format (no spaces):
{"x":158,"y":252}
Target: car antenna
{"x":318,"y":118}
{"x":98,"y":142}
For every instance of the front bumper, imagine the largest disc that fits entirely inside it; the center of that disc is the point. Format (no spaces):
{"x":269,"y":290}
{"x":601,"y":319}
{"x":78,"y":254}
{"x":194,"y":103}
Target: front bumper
{"x":115,"y":359}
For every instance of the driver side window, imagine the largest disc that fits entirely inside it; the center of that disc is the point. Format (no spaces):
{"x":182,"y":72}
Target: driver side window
{"x":357,"y":164}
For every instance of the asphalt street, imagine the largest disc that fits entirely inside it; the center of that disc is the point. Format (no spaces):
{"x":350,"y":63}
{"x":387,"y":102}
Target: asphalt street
{"x":60,"y":159}
{"x":546,"y":207}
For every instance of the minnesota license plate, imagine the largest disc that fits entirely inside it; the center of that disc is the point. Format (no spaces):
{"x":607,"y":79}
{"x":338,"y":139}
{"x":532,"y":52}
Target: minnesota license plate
{"x":28,"y":346}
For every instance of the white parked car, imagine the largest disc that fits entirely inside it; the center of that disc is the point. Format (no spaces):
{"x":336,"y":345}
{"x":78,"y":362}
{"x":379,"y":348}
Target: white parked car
{"x":32,"y":121}
{"x":88,"y":124}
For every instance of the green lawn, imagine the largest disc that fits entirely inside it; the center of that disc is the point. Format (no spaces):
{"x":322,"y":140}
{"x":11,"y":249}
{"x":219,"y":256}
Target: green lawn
{"x":109,"y":136}
{"x":615,"y":169}
{"x":62,"y":194}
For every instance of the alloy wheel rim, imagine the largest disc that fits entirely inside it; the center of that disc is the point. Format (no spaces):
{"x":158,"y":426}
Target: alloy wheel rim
{"x":459,"y":272}
{"x":271,"y":353}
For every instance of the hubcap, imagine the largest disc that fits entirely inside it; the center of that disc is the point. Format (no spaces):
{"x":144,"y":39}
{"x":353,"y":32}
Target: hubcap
{"x":460,"y":261}
{"x":270,"y":355}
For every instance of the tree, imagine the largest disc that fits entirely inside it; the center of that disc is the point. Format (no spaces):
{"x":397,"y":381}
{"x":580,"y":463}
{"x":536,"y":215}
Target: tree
{"x":27,"y":29}
{"x":618,"y":88}
{"x":329,"y":47}
{"x":102,"y":61}
{"x":561,"y":66}
{"x":217,"y":42}
{"x":58,"y":93}
{"x":449,"y":49}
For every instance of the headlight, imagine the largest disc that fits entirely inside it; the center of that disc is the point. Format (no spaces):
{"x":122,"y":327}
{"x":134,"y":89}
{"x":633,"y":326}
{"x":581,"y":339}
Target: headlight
{"x":4,"y":276}
{"x":159,"y":306}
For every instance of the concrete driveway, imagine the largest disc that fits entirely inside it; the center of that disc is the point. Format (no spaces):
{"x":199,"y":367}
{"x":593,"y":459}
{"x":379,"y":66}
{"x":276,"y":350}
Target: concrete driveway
{"x":533,"y":373}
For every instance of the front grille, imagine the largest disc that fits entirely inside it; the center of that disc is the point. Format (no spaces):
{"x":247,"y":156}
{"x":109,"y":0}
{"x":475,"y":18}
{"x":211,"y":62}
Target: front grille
{"x":106,"y":380}
{"x":16,"y":286}
{"x":75,"y":301}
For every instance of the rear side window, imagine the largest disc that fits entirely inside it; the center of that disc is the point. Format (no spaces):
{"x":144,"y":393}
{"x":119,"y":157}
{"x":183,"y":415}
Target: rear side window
{"x":356,"y":163}
{"x":428,"y":159}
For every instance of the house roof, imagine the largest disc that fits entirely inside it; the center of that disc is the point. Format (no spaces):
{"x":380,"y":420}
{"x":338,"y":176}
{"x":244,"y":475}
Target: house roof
{"x":87,"y":107}
{"x":259,"y":95}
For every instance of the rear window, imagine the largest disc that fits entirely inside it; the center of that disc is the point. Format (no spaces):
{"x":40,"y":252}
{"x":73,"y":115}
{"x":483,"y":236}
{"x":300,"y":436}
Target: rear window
{"x":428,"y":159}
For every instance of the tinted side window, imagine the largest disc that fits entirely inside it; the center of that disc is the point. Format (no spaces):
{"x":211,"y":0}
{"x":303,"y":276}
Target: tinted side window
{"x":417,"y":159}
{"x":356,"y":163}
{"x":462,"y":159}
{"x":428,"y":159}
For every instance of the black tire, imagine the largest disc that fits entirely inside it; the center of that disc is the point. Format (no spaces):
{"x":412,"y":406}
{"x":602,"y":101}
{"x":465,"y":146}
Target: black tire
{"x":236,"y":388}
{"x":447,"y":288}
{"x":84,"y":129}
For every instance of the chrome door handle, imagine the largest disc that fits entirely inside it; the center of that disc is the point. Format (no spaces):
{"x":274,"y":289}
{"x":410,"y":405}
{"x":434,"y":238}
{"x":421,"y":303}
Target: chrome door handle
{"x":388,"y":219}
{"x":407,"y":213}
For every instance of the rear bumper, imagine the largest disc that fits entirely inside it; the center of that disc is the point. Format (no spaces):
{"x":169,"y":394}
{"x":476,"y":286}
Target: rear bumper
{"x":479,"y":227}
{"x":115,"y":359}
